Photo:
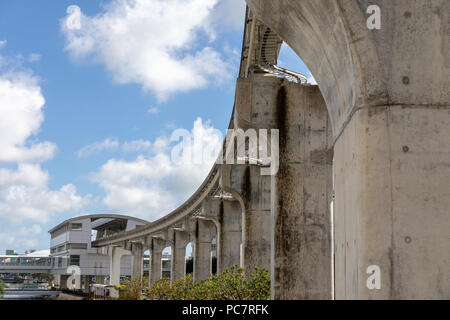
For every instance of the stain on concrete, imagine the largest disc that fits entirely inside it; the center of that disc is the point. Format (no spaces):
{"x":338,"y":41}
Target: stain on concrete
{"x":221,"y":211}
{"x":281,"y":117}
{"x":246,"y":185}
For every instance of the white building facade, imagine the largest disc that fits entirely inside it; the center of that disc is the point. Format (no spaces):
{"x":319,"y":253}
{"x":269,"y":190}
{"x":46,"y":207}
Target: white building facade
{"x":70,"y":245}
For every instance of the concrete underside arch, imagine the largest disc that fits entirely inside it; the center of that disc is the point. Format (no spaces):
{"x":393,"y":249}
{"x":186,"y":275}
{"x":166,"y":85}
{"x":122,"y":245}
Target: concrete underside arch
{"x":387,"y":93}
{"x":356,"y":67}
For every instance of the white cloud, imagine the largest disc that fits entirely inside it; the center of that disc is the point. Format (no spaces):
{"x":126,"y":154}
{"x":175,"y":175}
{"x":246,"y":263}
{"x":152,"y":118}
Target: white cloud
{"x":153,"y":110}
{"x":229,"y":14}
{"x":24,"y":192}
{"x":90,"y":149}
{"x":3,"y":43}
{"x":25,"y":196}
{"x":23,"y":238}
{"x":152,"y":186}
{"x":113,"y":145}
{"x":136,"y":146}
{"x":154,"y":43}
{"x":33,"y":57}
{"x":21,"y":116}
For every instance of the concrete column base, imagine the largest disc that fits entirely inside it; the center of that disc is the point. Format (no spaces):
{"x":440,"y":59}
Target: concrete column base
{"x":301,"y":197}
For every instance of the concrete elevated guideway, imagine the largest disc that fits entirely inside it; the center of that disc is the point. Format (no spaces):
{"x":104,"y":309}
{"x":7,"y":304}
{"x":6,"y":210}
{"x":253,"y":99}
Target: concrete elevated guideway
{"x":364,"y":162}
{"x":25,"y":264}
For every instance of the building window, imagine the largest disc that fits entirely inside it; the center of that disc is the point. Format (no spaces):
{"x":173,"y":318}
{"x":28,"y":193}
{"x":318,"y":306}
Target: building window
{"x":76,"y":226}
{"x":75,"y":260}
{"x":59,"y":262}
{"x":78,"y":246}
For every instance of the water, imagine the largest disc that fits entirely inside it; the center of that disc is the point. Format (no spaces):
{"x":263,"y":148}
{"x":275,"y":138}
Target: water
{"x":20,"y":291}
{"x":29,"y":294}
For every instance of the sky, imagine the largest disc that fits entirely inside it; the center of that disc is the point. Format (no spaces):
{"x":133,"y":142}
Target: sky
{"x":90,"y":95}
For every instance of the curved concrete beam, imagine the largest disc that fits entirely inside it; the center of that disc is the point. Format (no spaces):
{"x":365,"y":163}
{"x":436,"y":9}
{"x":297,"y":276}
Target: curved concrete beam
{"x":406,"y":62}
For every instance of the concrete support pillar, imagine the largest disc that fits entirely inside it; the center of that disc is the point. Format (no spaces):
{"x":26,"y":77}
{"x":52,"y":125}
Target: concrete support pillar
{"x":116,"y":254}
{"x":255,"y":106}
{"x":205,"y":231}
{"x":230,"y":218}
{"x":137,"y":263}
{"x":178,"y":263}
{"x":256,"y":221}
{"x":301,"y":196}
{"x":392,"y":177}
{"x":100,"y":279}
{"x":156,"y":247}
{"x":87,"y":284}
{"x":63,"y":281}
{"x":391,"y":125}
{"x":57,"y":280}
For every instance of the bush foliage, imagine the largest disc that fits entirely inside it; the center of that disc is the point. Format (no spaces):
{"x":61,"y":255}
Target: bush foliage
{"x":3,"y":286}
{"x":229,"y":285}
{"x":131,"y":289}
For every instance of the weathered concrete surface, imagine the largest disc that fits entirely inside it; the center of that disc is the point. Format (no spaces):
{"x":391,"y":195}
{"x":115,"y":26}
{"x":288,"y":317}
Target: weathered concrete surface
{"x":226,"y":213}
{"x":387,"y":92}
{"x":156,"y":246}
{"x":87,"y":284}
{"x":356,"y":67}
{"x":137,"y":262}
{"x":100,"y":279}
{"x":178,"y":264}
{"x":205,"y":232}
{"x":230,"y":218}
{"x":254,"y":109}
{"x":301,"y":196}
{"x":392,"y":203}
{"x":253,"y":191}
{"x":115,"y":254}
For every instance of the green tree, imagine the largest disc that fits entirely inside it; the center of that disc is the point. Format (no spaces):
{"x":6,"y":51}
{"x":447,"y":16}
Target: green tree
{"x":3,"y":286}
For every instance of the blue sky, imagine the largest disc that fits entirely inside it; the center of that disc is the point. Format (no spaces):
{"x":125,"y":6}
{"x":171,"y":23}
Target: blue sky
{"x":88,"y":113}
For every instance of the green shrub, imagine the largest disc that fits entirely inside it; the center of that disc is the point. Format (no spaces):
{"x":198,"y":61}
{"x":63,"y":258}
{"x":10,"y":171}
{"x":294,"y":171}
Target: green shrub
{"x":131,"y":289}
{"x":229,"y":285}
{"x":3,"y":286}
{"x":160,"y":290}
